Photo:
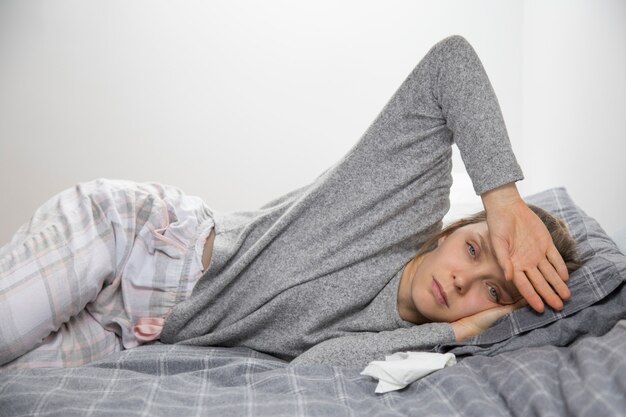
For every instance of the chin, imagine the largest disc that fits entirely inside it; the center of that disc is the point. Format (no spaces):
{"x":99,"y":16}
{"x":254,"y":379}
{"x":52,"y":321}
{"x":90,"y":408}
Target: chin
{"x":432,"y":311}
{"x":432,"y":317}
{"x":436,"y":315}
{"x":439,"y":320}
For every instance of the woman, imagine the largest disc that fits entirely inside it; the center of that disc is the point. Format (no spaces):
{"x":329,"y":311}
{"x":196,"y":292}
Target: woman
{"x":326,"y":273}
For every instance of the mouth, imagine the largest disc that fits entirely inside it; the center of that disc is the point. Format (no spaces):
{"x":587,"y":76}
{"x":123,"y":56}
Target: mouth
{"x":439,"y":293}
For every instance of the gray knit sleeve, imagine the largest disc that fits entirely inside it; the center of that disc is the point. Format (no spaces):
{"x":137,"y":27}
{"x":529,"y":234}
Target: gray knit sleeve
{"x":472,"y":112}
{"x":358,"y":350}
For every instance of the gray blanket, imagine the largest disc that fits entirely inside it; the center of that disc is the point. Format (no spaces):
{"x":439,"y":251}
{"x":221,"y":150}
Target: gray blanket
{"x":587,"y":378}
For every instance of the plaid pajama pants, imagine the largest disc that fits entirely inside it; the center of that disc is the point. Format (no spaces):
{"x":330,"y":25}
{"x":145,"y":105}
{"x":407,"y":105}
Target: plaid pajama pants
{"x":97,"y":270}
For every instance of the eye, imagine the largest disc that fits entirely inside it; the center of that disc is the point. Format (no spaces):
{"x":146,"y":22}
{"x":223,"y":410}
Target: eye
{"x":471,"y":250}
{"x":493,"y":293}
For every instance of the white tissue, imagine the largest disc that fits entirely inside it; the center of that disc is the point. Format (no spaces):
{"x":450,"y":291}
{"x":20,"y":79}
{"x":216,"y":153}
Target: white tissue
{"x":400,"y":369}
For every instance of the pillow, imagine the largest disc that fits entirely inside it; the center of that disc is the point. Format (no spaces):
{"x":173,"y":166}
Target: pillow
{"x":620,"y":239}
{"x":602,"y":273}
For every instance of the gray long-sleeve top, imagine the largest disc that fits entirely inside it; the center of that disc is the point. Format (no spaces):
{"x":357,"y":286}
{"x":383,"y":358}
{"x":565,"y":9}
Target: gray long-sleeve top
{"x":314,"y":274}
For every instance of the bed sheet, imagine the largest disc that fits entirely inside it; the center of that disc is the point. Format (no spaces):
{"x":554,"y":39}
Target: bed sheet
{"x":587,"y":378}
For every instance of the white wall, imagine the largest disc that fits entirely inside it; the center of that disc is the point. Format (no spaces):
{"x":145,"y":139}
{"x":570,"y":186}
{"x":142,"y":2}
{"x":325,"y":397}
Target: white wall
{"x":235,"y":101}
{"x":240,"y":101}
{"x":574,"y":103}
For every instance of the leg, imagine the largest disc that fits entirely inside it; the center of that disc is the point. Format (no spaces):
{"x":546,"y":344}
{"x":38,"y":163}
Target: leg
{"x":52,"y":268}
{"x":80,"y":340}
{"x":94,"y":265}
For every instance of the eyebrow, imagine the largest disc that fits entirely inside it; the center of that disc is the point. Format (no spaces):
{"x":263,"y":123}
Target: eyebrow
{"x":510,"y":288}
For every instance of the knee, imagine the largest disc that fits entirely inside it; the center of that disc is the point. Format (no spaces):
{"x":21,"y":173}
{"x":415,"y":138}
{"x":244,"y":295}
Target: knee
{"x":99,"y":183}
{"x":100,"y":189}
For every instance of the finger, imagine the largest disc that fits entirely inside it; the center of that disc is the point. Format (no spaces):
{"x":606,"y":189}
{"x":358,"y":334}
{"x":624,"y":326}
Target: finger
{"x":502,"y":255}
{"x":493,"y":314}
{"x":542,"y":287}
{"x":557,"y":261}
{"x":504,"y":310}
{"x":527,"y":291}
{"x":519,"y":304}
{"x":553,"y":278}
{"x":508,"y":309}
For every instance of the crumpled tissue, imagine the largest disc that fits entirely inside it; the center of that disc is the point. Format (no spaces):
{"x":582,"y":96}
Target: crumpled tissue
{"x":400,"y":369}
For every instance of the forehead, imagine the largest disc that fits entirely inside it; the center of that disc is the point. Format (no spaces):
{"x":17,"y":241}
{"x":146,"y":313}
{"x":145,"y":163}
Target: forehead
{"x":481,"y":229}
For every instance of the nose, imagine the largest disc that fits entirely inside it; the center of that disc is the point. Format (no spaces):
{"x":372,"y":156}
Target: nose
{"x":463,"y":280}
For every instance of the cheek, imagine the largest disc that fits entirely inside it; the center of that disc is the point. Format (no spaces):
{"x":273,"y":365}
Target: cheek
{"x":473,"y":303}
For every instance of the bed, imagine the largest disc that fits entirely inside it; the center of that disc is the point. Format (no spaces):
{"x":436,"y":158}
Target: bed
{"x":526,"y":364}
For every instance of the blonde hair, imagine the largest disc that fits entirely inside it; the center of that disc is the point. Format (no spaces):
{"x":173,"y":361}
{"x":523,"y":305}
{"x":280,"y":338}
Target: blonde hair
{"x":561,"y":236}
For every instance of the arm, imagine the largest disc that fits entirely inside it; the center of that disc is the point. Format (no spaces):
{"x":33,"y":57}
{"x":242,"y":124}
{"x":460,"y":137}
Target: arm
{"x":474,"y":325}
{"x":471,"y":111}
{"x":523,"y":246}
{"x":360,"y":349}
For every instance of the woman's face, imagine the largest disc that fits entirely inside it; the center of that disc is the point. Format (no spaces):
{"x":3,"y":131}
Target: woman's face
{"x":459,"y":278}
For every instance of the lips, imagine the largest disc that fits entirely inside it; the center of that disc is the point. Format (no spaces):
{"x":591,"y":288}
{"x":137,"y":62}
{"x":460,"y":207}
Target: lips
{"x":439,"y":293}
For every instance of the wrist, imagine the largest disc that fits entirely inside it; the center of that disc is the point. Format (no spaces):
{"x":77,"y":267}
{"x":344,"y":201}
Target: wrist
{"x":504,"y":195}
{"x":461,"y":332}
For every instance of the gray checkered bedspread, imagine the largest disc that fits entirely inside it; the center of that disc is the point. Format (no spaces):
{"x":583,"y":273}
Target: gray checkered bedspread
{"x":587,"y":378}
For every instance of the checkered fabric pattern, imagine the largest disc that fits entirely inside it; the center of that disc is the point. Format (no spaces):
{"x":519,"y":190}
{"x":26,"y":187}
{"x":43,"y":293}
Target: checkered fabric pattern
{"x":94,"y":263}
{"x":586,"y":379}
